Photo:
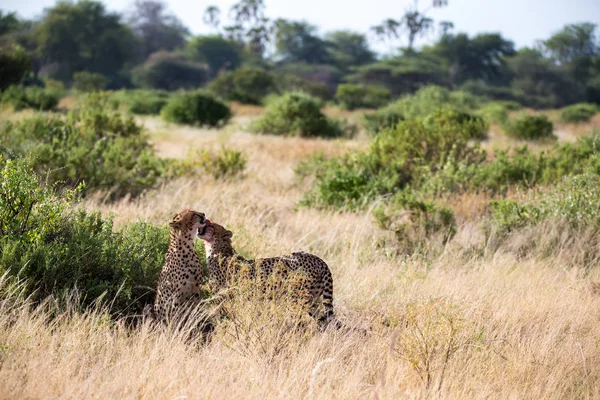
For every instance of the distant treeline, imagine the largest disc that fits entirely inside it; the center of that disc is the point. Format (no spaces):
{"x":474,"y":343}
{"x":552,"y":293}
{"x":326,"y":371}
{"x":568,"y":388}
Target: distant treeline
{"x":84,"y":46}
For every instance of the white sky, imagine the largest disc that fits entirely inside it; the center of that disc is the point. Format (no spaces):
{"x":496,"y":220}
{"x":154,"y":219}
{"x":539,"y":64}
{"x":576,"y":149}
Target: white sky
{"x":523,"y":21}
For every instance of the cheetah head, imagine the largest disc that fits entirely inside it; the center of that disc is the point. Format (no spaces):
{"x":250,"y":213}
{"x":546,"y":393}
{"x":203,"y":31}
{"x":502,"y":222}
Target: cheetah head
{"x":189,"y":221}
{"x":213,"y":231}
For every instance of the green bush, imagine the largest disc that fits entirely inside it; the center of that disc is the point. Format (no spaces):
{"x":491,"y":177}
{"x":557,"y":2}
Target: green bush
{"x":297,"y":114}
{"x":575,"y":199}
{"x":21,"y":97}
{"x":143,"y":102}
{"x":85,"y":81}
{"x":92,"y":144}
{"x":246,"y":85}
{"x":581,"y":112}
{"x":15,"y":64}
{"x":196,"y":108}
{"x":351,"y":96}
{"x":56,"y":246}
{"x":420,"y":104}
{"x":288,"y":82}
{"x":495,"y":112}
{"x":531,"y":127}
{"x":474,"y":126}
{"x":169,"y":71}
{"x":415,"y":221}
{"x":398,"y":157}
{"x":386,"y":117}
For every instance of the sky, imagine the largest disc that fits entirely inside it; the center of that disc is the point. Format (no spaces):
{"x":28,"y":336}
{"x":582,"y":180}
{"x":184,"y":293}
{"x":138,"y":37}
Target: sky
{"x":522,"y":21}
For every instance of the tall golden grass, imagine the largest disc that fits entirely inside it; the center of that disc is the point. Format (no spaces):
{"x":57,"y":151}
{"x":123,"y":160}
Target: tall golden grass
{"x":495,"y":322}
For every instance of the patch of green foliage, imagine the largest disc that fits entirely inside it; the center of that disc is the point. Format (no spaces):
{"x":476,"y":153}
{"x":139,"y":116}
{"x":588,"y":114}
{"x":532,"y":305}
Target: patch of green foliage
{"x":581,"y":112}
{"x":56,"y":246}
{"x":575,"y":199}
{"x":531,"y":127}
{"x":495,"y":112}
{"x":420,"y":104}
{"x":351,"y":96}
{"x":85,"y":81}
{"x":15,"y":64}
{"x":415,"y":221}
{"x":196,"y":108}
{"x":397,"y":157}
{"x":93,"y":144}
{"x":139,"y":101}
{"x":246,"y":85}
{"x":297,"y":114}
{"x":20,"y":97}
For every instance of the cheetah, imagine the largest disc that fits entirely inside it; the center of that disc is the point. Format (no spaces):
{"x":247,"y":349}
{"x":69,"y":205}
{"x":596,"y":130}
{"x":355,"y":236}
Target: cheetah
{"x":223,"y":263}
{"x":181,"y":276}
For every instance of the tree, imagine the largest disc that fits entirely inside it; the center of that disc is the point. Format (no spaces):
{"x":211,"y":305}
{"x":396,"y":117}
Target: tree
{"x":212,"y":17}
{"x":542,"y":83}
{"x":349,"y":49}
{"x":445,"y":27}
{"x":414,"y":23}
{"x":404,"y":74}
{"x":217,"y":52}
{"x":250,"y":26}
{"x":9,"y":22}
{"x":573,"y":42}
{"x":298,"y":42}
{"x":169,"y":71}
{"x":83,"y":36}
{"x":156,"y":27}
{"x":482,"y":57}
{"x":14,"y":65}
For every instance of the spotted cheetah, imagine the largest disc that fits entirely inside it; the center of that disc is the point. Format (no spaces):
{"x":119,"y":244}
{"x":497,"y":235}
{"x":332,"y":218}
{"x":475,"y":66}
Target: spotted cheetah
{"x":223,"y":263}
{"x":181,"y":274}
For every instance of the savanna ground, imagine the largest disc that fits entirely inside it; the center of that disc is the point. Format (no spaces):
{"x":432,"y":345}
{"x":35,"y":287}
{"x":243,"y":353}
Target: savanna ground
{"x":472,"y":321}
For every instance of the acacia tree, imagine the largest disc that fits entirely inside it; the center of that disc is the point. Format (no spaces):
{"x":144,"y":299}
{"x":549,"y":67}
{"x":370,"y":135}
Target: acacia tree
{"x":249,"y":27}
{"x":212,"y":17}
{"x":414,"y":23}
{"x":156,"y":27}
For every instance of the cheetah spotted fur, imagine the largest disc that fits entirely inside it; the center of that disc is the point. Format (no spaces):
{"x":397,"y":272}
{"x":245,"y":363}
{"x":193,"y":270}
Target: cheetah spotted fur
{"x":223,"y":263}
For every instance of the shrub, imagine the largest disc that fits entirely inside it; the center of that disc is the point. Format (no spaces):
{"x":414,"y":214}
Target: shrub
{"x":246,"y":85}
{"x":531,"y":127}
{"x":424,"y":102}
{"x":351,"y":96}
{"x":297,"y":114}
{"x":215,"y":51}
{"x":474,"y":126}
{"x":169,"y":71}
{"x":415,"y":221}
{"x":85,"y":81}
{"x":21,"y":97}
{"x":287,"y":82}
{"x":576,"y":199}
{"x":56,"y":246}
{"x":144,"y":102}
{"x":223,"y":164}
{"x":398,"y":157}
{"x":15,"y":64}
{"x":581,"y":112}
{"x":196,"y":108}
{"x":92,"y":144}
{"x":495,"y":113}
{"x":386,"y":117}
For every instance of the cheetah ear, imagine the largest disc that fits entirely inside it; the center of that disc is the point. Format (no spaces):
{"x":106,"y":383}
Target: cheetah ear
{"x":228,"y":234}
{"x":175,"y":224}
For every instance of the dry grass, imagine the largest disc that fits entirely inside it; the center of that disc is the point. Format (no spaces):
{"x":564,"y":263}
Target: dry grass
{"x":460,"y":325}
